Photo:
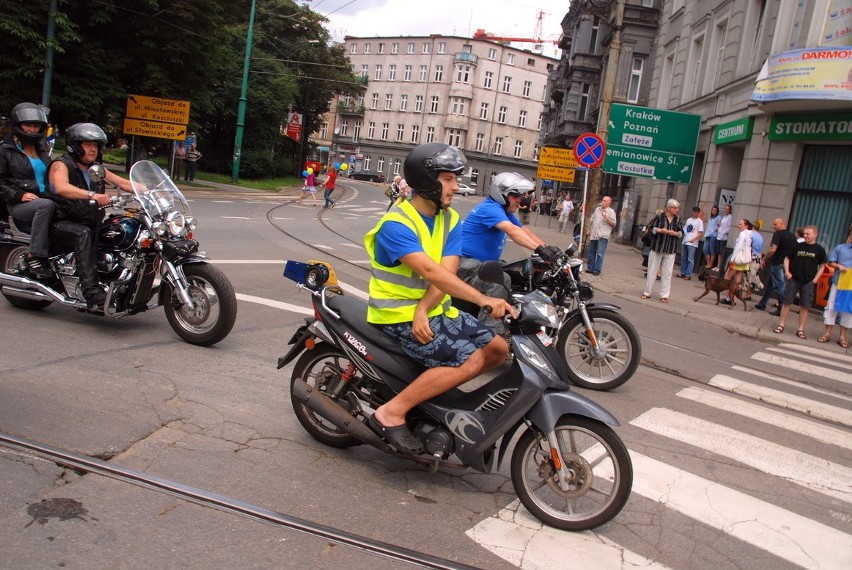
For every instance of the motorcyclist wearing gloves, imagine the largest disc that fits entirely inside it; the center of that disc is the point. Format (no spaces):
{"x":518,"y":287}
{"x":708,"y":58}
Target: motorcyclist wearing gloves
{"x":414,"y":252}
{"x":490,"y":224}
{"x":78,"y":201}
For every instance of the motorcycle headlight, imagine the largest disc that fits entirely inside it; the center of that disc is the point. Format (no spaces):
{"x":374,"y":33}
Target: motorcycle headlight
{"x":586,"y":292}
{"x":191,"y":223}
{"x":176,"y":223}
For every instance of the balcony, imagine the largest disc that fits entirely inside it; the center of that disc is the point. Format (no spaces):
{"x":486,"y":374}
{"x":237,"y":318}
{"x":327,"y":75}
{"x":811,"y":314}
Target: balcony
{"x":465,"y":57}
{"x":456,"y":122}
{"x":462,"y":90}
{"x":344,"y":109}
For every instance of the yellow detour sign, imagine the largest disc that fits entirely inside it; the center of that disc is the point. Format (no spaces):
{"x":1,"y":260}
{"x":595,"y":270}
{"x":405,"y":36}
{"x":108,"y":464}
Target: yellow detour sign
{"x":556,"y":164}
{"x":154,"y":129}
{"x":156,"y":117}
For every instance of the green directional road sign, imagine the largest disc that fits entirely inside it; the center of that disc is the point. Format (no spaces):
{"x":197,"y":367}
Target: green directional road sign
{"x":651,"y":143}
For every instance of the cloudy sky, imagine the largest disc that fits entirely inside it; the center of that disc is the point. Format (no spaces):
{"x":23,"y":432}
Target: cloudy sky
{"x":516,"y":18}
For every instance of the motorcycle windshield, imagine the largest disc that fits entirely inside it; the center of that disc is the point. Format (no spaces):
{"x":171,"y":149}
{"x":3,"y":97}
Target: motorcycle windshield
{"x":155,"y":191}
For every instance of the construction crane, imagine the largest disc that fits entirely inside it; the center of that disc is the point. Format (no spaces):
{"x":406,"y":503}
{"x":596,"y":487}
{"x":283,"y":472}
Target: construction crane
{"x":481,"y":34}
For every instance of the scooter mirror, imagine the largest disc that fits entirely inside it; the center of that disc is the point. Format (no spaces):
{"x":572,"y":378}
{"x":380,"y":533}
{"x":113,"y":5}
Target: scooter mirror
{"x":491,"y":272}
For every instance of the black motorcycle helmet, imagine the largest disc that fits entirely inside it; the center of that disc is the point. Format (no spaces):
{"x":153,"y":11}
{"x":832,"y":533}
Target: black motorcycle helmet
{"x":79,"y":133}
{"x":28,"y":113}
{"x":423,"y":164}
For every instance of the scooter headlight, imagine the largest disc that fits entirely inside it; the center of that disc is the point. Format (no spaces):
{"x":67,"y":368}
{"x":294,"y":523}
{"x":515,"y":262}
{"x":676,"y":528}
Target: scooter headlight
{"x":532,"y":356}
{"x":546,"y":310}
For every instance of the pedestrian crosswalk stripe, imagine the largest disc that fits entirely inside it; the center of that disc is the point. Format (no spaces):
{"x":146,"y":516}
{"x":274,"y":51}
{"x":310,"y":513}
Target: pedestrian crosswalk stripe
{"x":808,"y":428}
{"x":783,"y":399}
{"x":820,"y":475}
{"x":780,"y":532}
{"x":808,"y":356}
{"x":821,"y":352}
{"x":775,"y":378}
{"x":820,"y":371}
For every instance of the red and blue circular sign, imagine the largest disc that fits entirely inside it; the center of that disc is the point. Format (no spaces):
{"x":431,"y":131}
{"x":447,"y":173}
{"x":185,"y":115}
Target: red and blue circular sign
{"x":589,"y":150}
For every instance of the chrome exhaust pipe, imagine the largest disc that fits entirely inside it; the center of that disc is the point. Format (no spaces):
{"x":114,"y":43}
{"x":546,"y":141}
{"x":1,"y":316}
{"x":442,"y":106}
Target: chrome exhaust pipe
{"x":27,"y":288}
{"x":328,"y":409}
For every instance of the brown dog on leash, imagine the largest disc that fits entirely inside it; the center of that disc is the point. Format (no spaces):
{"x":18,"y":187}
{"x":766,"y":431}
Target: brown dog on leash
{"x":712,"y":282}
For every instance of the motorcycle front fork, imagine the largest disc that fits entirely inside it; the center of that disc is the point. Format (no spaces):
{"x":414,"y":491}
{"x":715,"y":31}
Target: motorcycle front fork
{"x":587,"y":323}
{"x":177,"y":280}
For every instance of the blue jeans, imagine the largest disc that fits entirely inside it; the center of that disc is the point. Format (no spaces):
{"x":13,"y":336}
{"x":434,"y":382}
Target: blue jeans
{"x":687,"y":260}
{"x":597,"y":248}
{"x":775,"y":285}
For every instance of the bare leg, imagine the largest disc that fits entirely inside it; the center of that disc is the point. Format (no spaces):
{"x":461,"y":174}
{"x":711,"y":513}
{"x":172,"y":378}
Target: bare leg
{"x":438,"y":380}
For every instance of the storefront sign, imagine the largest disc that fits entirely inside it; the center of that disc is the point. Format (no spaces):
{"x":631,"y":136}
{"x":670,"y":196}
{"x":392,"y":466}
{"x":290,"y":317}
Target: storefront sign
{"x":813,"y":73}
{"x":836,"y":127}
{"x":734,"y":131}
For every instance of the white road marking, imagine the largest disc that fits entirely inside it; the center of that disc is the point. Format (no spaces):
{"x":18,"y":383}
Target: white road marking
{"x":783,"y":399}
{"x":821,"y":352}
{"x":820,"y":371}
{"x":820,"y":475}
{"x":814,"y":430}
{"x":248,"y":261}
{"x":234,"y":218}
{"x":320,"y":246}
{"x":275,"y":304}
{"x":352,"y":245}
{"x":761,"y":374}
{"x":222,"y":201}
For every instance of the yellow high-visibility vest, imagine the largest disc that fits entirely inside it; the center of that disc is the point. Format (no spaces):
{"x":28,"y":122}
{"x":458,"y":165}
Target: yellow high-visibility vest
{"x":395,"y":291}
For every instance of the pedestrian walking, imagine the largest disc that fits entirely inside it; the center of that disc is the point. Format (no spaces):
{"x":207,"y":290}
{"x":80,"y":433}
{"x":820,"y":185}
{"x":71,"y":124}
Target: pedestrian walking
{"x":668,"y":232}
{"x":329,"y":183}
{"x":600,"y":228}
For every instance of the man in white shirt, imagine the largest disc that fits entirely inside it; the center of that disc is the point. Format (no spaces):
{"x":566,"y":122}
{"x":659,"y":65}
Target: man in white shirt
{"x":601,"y":224}
{"x":693,"y":229}
{"x":564,"y":214}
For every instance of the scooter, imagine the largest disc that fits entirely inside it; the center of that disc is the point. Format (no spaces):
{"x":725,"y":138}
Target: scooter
{"x":569,"y":468}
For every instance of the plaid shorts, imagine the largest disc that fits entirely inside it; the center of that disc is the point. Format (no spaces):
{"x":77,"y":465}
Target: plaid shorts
{"x":454,"y":340}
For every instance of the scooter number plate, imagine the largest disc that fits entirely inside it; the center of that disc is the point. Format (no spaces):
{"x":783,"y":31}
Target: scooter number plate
{"x":545,"y":338}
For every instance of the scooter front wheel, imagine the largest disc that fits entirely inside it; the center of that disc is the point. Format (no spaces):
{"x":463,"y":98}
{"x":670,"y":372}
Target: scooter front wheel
{"x":599,"y":474}
{"x":609,"y":364}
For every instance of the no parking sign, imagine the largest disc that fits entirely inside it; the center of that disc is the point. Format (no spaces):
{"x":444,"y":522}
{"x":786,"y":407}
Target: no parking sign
{"x":589,"y":150}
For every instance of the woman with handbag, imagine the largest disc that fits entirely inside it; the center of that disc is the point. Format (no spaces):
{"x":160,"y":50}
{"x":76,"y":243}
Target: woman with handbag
{"x":741,"y":257}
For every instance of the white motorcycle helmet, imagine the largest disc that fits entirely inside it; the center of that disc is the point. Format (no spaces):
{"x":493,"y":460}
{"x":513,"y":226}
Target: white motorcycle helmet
{"x":507,"y":183}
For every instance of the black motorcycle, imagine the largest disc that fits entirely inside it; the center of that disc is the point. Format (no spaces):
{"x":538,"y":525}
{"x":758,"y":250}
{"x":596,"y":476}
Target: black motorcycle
{"x":568,"y":467}
{"x":599,"y":345}
{"x":146,"y":259}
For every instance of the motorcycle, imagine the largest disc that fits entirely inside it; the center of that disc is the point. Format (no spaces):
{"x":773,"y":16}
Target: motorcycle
{"x":146,"y":258}
{"x":599,"y":345}
{"x":568,"y":467}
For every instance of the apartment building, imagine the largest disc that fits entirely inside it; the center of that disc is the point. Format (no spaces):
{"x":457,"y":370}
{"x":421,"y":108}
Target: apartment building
{"x":481,"y":96}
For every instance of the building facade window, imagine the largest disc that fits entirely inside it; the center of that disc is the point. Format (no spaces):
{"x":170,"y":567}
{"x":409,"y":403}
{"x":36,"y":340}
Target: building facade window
{"x":397,"y":164}
{"x":378,"y":76}
{"x":374,"y":101}
{"x":442,"y":47}
{"x":344,"y":128}
{"x":380,"y":164}
{"x":367,"y":161}
{"x":400,"y":132}
{"x":492,"y":53}
{"x":498,"y":146}
{"x":392,"y":72}
{"x":527,"y":89}
{"x":356,"y":131}
{"x":385,"y":131}
{"x":480,"y":142}
{"x":489,"y":79}
{"x":439,"y":73}
{"x":415,"y":134}
{"x":381,"y":47}
{"x":403,"y":102}
{"x":406,"y":73}
{"x":434,"y":105}
{"x":457,"y":106}
{"x":371,"y":130}
{"x":635,"y":80}
{"x":462,"y":74}
{"x":410,"y":48}
{"x":474,"y":176}
{"x":353,"y":48}
{"x":454,"y":137}
{"x":427,"y":47}
{"x":501,"y":114}
{"x":430,"y":134}
{"x":395,"y":47}
{"x":507,"y":84}
{"x":324,"y":130}
{"x":594,"y":36}
{"x":366,"y":48}
{"x":519,"y":148}
{"x":583,"y":111}
{"x":365,"y":70}
{"x":388,"y":101}
{"x":483,"y":111}
{"x":418,"y":103}
{"x":510,"y":59}
{"x":522,"y":119}
{"x":423,"y":72}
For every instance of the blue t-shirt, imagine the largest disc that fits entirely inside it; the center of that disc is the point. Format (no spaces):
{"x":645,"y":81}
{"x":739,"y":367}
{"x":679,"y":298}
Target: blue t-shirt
{"x":842,"y":254}
{"x":756,"y":243}
{"x":395,"y":240}
{"x":481,"y":239}
{"x":40,"y":171}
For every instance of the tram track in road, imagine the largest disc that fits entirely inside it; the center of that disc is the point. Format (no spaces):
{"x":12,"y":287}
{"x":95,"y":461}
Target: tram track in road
{"x":227,"y":504}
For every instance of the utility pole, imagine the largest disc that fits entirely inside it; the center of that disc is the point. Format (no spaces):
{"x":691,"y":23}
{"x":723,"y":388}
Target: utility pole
{"x":48,"y":55}
{"x":241,"y":108}
{"x":607,"y":95}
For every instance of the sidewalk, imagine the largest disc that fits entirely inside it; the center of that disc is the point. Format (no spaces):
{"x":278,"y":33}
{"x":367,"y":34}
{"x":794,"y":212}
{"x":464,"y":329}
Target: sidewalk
{"x":622,"y":277}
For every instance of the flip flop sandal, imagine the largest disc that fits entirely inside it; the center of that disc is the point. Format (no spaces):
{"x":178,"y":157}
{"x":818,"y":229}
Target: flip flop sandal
{"x":645,"y":296}
{"x":398,"y":436}
{"x":801,"y":334}
{"x":779,"y":329}
{"x":843,"y":342}
{"x":823,"y":338}
{"x":664,"y":300}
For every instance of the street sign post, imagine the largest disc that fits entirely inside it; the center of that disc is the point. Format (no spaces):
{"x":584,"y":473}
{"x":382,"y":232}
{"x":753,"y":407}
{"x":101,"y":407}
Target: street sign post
{"x":154,"y":129}
{"x":651,"y":143}
{"x":157,"y":109}
{"x":556,"y":164}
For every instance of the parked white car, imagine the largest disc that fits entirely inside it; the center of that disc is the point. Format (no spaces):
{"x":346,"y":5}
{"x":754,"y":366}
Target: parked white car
{"x":465,"y":190}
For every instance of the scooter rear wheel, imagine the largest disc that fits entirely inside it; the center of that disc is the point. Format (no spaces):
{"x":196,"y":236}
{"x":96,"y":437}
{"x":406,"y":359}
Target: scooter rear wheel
{"x":600,"y":474}
{"x":321,"y":368}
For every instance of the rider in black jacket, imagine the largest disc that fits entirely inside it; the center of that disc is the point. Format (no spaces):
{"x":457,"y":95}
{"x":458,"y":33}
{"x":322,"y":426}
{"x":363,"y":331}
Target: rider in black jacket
{"x":23,"y":181}
{"x":77,"y":202}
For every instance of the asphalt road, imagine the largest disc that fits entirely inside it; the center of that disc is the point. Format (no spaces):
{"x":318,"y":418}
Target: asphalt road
{"x":741,"y":447}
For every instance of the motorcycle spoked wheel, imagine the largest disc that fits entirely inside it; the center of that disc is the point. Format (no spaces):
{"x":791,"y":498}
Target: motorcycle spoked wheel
{"x":616,"y":358}
{"x":321,"y":368}
{"x":215,"y":309}
{"x":8,"y":264}
{"x":600,"y":474}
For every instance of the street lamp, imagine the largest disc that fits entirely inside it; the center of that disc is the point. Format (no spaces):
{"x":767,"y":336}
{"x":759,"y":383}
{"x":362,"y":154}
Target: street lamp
{"x":241,"y":109}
